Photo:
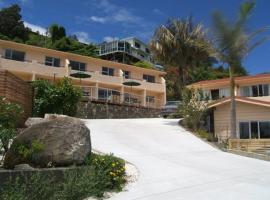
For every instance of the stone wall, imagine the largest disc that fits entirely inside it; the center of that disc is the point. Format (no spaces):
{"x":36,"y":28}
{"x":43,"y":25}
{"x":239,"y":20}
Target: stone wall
{"x":100,"y":110}
{"x":17,"y":91}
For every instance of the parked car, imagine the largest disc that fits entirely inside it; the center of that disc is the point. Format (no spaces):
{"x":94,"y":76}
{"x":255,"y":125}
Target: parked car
{"x":170,"y":108}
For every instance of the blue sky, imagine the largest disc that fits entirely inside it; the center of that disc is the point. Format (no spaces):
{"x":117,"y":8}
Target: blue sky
{"x":99,"y":20}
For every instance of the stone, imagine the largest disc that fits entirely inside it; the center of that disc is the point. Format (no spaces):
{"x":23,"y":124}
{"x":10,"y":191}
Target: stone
{"x":23,"y":167}
{"x":33,"y":120}
{"x":65,"y":141}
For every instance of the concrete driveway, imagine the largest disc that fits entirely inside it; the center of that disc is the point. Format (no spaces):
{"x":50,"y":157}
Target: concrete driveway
{"x":173,"y":164}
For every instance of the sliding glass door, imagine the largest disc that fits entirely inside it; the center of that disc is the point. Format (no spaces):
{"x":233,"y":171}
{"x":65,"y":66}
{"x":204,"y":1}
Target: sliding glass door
{"x":254,"y":130}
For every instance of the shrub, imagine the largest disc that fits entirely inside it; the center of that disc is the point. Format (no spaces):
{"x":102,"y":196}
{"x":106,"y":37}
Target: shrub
{"x":110,"y":171}
{"x":10,"y":113}
{"x":202,"y":133}
{"x":193,"y":108}
{"x":60,"y":98}
{"x":144,"y":64}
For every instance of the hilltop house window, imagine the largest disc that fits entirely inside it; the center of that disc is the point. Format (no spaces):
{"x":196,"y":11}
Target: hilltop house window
{"x":149,"y":78}
{"x":137,"y":45}
{"x":254,"y":129}
{"x":51,"y":61}
{"x":77,"y":65}
{"x":224,"y":92}
{"x":14,"y":55}
{"x":255,"y":90}
{"x":107,"y":71}
{"x":126,"y":74}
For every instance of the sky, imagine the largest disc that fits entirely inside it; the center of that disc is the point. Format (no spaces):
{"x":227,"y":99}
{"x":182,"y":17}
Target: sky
{"x":104,"y":20}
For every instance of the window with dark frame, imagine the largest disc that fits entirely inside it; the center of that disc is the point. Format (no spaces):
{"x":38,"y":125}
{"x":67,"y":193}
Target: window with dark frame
{"x":254,"y":129}
{"x":77,"y":65}
{"x":126,"y":74}
{"x":244,"y":130}
{"x":14,"y":55}
{"x":51,"y":61}
{"x":107,"y":71}
{"x":149,"y":78}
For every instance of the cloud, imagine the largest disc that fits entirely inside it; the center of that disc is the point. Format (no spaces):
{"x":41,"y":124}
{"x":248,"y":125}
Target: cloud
{"x":83,"y":37}
{"x":157,"y":11}
{"x":35,"y":28}
{"x":98,"y":19}
{"x":113,"y":14}
{"x":110,"y":39}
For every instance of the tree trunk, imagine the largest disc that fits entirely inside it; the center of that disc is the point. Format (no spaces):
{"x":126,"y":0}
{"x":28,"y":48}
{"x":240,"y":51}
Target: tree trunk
{"x":233,"y":105}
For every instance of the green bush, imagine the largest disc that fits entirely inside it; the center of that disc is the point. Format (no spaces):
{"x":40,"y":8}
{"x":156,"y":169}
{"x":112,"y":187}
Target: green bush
{"x":59,"y":98}
{"x":202,"y":133}
{"x":110,"y":171}
{"x":10,"y":113}
{"x":102,"y":173}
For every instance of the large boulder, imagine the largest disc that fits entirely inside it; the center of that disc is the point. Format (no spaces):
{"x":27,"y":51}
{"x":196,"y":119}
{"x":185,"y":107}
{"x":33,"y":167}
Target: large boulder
{"x":64,"y":141}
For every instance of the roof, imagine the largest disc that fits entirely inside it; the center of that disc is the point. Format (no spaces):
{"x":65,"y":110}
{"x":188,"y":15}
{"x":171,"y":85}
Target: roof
{"x":81,"y":56}
{"x":238,"y":79}
{"x":240,"y":99}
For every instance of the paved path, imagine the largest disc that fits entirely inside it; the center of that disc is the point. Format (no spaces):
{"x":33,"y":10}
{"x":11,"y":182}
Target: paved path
{"x":174,"y":165}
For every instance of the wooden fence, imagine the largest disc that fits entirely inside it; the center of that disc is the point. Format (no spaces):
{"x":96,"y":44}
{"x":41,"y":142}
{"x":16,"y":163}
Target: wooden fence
{"x":249,"y":144}
{"x":17,"y":91}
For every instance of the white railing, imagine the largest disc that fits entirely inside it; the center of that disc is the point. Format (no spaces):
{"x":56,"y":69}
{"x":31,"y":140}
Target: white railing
{"x":114,"y":96}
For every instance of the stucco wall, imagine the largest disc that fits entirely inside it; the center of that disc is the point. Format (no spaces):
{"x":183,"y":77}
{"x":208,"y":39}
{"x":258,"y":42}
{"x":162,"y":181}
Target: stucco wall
{"x":97,"y":110}
{"x":244,"y":112}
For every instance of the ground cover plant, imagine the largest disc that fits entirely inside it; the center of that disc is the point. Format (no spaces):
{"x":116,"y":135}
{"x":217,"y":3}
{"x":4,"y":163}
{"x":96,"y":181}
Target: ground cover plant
{"x":101,"y":173}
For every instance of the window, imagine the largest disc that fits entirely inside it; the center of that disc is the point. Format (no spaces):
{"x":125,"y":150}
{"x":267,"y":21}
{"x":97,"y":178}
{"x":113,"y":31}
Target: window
{"x":254,"y":129}
{"x":107,"y":71}
{"x":215,"y":94}
{"x":104,"y":94}
{"x":126,"y":74}
{"x":245,"y":91}
{"x":255,"y":90}
{"x":77,"y":65}
{"x":14,"y":55}
{"x":149,"y":78}
{"x":224,"y":92}
{"x":121,"y":46}
{"x":150,"y":99}
{"x":254,"y":132}
{"x":137,"y":45}
{"x":244,"y":130}
{"x":51,"y":61}
{"x":264,"y":129}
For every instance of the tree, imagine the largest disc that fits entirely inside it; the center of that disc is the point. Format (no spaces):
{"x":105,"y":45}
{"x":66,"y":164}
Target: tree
{"x":11,"y":24}
{"x":61,"y":98}
{"x":57,"y":32}
{"x":10,"y":113}
{"x":233,"y":44}
{"x":182,"y":45}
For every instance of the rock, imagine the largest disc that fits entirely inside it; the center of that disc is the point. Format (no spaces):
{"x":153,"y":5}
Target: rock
{"x":65,"y":141}
{"x":33,"y":120}
{"x":23,"y":167}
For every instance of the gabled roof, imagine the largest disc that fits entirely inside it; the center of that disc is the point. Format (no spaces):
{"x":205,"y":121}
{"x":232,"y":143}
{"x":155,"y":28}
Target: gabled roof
{"x":238,"y":79}
{"x":240,"y":99}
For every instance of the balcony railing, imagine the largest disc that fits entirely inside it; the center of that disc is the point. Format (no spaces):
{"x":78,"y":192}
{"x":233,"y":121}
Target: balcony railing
{"x":108,"y":95}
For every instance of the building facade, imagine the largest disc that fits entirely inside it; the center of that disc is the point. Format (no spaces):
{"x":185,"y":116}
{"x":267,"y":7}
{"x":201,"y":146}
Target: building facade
{"x":252,"y":106}
{"x":128,"y":50}
{"x":106,"y":80}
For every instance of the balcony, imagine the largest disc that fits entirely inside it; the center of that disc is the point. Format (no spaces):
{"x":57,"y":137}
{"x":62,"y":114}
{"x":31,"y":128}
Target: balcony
{"x":107,"y":95}
{"x":32,"y":67}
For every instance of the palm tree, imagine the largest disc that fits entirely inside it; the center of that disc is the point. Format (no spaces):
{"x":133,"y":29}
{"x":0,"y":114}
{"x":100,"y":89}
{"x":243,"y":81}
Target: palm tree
{"x":233,"y":44}
{"x":182,"y":45}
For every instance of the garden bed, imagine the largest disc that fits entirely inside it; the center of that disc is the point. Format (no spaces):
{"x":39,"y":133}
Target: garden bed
{"x":100,"y":174}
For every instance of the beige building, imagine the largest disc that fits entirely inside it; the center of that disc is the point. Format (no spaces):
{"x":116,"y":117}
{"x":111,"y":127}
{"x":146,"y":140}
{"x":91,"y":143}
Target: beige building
{"x":107,"y":81}
{"x":252,"y":106}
